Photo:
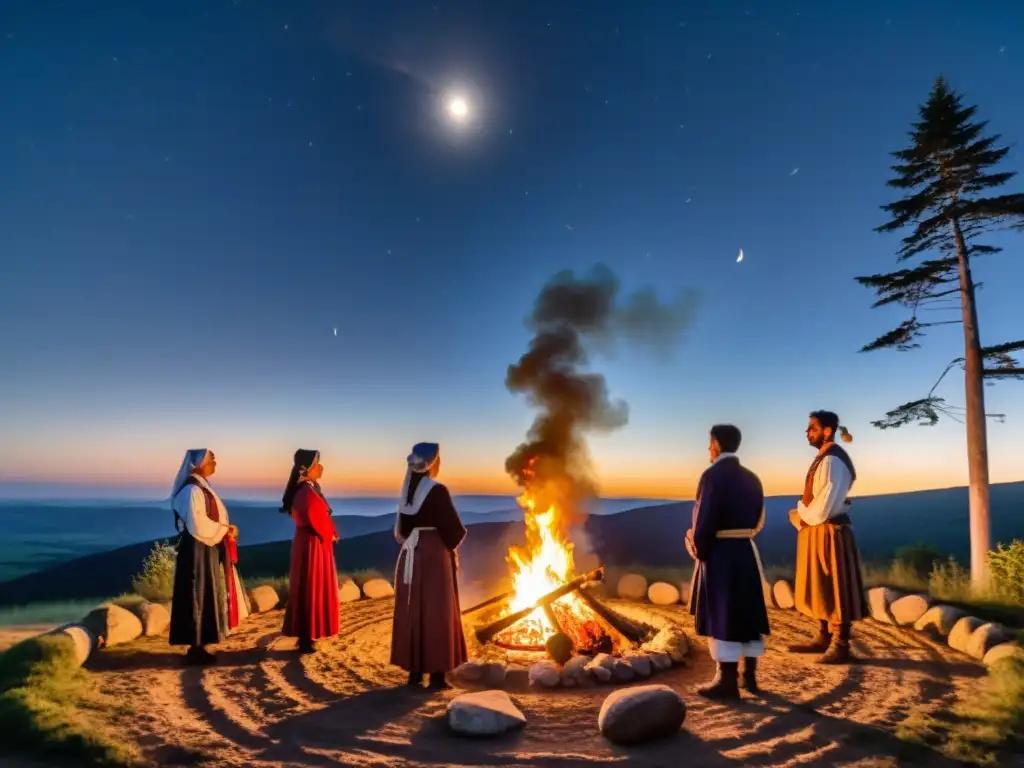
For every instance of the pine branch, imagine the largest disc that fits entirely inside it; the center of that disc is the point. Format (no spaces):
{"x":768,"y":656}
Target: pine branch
{"x":1004,"y":364}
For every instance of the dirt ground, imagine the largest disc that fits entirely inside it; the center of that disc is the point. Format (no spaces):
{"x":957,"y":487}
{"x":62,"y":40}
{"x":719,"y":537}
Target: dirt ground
{"x":263,"y":705}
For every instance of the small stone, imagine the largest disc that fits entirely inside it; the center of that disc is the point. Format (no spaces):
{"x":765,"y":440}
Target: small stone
{"x":559,"y":648}
{"x":622,"y":671}
{"x":545,"y":674}
{"x":960,"y":636}
{"x":493,"y":675}
{"x":484,"y":713}
{"x":640,"y":664}
{"x":632,"y":586}
{"x":879,"y":600}
{"x":599,"y":672}
{"x":154,"y":617}
{"x":113,"y":625}
{"x":517,"y":677}
{"x":660,"y":660}
{"x":684,"y":591}
{"x":673,"y":641}
{"x":641,"y":714}
{"x":661,"y":593}
{"x":375,"y":589}
{"x":84,"y":640}
{"x":985,"y":638}
{"x":908,"y":609}
{"x":575,"y":666}
{"x":782,"y":591}
{"x":470,"y":672}
{"x":939,"y":619}
{"x":1003,"y":651}
{"x":263,"y":599}
{"x":349,"y":592}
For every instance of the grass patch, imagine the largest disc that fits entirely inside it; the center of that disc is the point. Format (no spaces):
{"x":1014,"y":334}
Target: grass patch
{"x":977,"y":731}
{"x":64,"y":612}
{"x":49,"y":706}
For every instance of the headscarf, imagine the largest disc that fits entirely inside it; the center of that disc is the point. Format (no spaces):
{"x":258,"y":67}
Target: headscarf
{"x":193,"y":459}
{"x":422,"y":459}
{"x":303,"y":460}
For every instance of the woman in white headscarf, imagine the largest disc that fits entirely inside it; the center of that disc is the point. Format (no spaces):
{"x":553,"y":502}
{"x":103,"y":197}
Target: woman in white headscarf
{"x":426,"y":635}
{"x":209,"y":600}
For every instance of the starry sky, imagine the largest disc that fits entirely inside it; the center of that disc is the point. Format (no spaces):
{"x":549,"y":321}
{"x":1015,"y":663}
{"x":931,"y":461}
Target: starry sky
{"x":196,"y":194}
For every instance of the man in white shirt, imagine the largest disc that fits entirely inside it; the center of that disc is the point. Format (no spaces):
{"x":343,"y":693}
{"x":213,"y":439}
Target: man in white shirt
{"x":829,"y":584}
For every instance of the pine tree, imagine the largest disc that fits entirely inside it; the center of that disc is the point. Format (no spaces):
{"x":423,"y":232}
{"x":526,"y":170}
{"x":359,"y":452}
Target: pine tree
{"x":945,"y":175}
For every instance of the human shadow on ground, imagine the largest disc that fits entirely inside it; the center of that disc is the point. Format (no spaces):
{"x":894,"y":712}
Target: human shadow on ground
{"x":136,"y":660}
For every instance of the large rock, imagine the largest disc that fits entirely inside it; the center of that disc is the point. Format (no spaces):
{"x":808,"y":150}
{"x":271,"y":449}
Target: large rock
{"x":769,"y":594}
{"x":661,"y":593}
{"x":640,"y":714}
{"x":782,"y":591}
{"x":1003,"y":651}
{"x":375,"y":589}
{"x":575,"y":668}
{"x":684,"y":591}
{"x":154,"y":617}
{"x":985,"y":638}
{"x":907,"y":610}
{"x":263,"y":598}
{"x":113,"y":625}
{"x":84,"y":640}
{"x":960,"y":636}
{"x":660,"y":660}
{"x":349,"y":592}
{"x":484,"y":713}
{"x":470,"y":672}
{"x":879,"y":600}
{"x":632,"y":586}
{"x":622,"y":671}
{"x":939,"y":619}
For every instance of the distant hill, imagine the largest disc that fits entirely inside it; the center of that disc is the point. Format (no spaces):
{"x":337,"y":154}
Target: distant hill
{"x":651,"y":535}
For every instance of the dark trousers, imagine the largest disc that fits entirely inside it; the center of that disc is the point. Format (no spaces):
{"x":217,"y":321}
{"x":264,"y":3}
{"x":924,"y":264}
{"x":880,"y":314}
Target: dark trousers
{"x":839,"y":632}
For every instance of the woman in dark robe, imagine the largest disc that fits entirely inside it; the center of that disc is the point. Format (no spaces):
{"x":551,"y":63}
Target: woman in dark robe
{"x":427,"y":633}
{"x":312,"y":610}
{"x":209,"y":599}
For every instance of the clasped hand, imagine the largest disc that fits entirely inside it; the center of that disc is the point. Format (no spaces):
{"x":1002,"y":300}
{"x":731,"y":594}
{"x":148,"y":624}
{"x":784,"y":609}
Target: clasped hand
{"x":795,"y":520}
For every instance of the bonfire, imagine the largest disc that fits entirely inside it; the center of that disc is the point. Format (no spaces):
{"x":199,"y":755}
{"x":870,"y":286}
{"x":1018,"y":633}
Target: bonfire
{"x":548,"y":607}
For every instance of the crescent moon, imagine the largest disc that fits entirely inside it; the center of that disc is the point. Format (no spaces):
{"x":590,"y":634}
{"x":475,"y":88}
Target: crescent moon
{"x":740,"y":257}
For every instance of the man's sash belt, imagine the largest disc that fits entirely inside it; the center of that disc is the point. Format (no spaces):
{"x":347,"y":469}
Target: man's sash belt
{"x":749,"y":534}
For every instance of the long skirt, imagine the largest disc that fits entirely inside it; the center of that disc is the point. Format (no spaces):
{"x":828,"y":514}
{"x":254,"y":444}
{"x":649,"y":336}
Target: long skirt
{"x":829,"y":583}
{"x":427,"y":628}
{"x":312,"y":610}
{"x":199,"y":606}
{"x":726,"y":595}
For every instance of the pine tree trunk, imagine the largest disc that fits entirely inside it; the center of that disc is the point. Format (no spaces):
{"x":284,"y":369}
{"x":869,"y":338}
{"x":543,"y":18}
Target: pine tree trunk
{"x":977,"y":438}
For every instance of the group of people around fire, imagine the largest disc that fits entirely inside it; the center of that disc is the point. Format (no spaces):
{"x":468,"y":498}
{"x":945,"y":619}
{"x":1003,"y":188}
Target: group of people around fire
{"x":726,"y":593}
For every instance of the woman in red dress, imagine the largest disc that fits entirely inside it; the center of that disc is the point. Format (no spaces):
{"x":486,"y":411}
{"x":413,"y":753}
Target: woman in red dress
{"x":312,"y":610}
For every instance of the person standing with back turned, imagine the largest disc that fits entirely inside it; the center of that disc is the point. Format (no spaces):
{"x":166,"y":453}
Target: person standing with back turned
{"x":829,"y":583}
{"x":727,"y":596}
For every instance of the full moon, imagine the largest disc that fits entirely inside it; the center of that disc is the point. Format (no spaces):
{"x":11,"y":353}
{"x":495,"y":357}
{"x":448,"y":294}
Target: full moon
{"x":458,"y":108}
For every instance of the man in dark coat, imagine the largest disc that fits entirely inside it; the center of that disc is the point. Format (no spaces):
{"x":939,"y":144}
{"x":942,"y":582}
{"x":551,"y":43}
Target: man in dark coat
{"x":726,"y":595}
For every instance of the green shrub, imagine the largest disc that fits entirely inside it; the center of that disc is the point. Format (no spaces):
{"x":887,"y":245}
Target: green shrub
{"x":1006,"y":570}
{"x":950,"y":581}
{"x":156,"y":582}
{"x":917,"y":559}
{"x":49,"y":705}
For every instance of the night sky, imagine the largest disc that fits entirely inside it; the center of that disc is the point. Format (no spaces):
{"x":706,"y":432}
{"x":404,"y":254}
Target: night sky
{"x":197,"y":193}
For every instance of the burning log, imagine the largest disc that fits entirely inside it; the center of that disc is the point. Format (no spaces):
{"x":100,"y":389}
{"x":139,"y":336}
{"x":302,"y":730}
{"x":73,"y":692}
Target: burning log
{"x":625,"y":627}
{"x":490,"y":601}
{"x":484,"y":634}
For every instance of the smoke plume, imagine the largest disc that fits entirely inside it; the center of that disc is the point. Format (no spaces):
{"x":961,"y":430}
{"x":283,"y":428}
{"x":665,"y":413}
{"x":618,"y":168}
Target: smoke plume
{"x":572,"y":318}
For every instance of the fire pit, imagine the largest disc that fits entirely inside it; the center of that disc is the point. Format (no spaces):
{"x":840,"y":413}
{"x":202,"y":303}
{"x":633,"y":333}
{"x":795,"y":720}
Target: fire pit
{"x":563,"y":621}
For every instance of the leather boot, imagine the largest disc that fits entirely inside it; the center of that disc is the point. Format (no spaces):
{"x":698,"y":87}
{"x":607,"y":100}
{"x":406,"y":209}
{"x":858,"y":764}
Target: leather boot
{"x":750,"y":675}
{"x":839,"y":649}
{"x":818,"y":644}
{"x":415,"y":680}
{"x":725,"y":685}
{"x":437,"y":682}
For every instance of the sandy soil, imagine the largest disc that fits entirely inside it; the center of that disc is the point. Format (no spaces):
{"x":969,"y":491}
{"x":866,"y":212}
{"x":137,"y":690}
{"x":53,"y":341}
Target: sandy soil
{"x":13,"y":635}
{"x":263,"y":705}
